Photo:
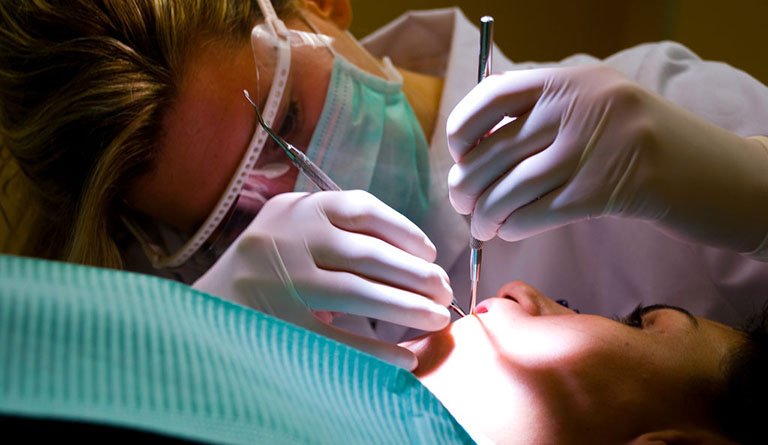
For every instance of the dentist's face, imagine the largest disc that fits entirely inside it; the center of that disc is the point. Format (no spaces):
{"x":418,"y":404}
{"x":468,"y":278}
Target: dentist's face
{"x":527,"y":370}
{"x":207,"y":130}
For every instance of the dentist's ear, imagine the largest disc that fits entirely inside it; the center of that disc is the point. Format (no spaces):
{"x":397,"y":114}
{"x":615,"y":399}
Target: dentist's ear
{"x":337,"y":11}
{"x":682,"y":437}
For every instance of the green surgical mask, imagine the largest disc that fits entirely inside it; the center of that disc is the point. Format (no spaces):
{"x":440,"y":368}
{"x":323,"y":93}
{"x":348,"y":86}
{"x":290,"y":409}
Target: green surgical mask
{"x":368,"y":138}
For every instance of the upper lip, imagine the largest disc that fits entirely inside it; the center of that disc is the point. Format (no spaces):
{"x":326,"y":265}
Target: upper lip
{"x":509,"y":304}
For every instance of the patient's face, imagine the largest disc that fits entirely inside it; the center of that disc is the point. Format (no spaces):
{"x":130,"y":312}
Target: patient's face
{"x":527,"y":370}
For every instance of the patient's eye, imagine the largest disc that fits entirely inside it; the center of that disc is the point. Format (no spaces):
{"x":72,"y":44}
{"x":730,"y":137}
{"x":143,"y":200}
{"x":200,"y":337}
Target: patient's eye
{"x":634,"y":319}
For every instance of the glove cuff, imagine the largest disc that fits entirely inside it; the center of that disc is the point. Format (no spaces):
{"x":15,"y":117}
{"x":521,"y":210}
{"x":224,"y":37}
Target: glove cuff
{"x":761,"y":252}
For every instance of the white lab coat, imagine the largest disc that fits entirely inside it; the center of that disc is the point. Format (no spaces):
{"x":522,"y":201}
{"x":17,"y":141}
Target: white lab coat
{"x":608,"y":265}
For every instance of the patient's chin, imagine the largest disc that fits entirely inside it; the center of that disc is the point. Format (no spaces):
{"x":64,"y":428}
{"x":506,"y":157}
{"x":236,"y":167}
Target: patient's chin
{"x":435,"y":348}
{"x":462,"y":368}
{"x":431,"y":350}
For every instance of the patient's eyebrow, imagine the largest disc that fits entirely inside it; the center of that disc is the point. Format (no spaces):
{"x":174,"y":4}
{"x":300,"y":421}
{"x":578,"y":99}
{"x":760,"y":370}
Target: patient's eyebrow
{"x":656,"y":307}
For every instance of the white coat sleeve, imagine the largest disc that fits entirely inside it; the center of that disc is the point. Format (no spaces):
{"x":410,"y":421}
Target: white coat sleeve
{"x":715,"y":91}
{"x":720,"y":93}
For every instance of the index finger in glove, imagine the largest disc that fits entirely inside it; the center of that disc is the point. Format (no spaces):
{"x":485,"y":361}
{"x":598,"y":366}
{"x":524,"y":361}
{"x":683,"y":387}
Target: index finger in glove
{"x":534,"y":177}
{"x":383,"y":263}
{"x":360,"y":212}
{"x":494,"y":156}
{"x":562,"y":206}
{"x":509,"y":94}
{"x":352,"y":294}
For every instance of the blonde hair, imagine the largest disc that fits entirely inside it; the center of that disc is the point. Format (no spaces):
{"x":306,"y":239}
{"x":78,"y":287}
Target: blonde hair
{"x":83,"y":88}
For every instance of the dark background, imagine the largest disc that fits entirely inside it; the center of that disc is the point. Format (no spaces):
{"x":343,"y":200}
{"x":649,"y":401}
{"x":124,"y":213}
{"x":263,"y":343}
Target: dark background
{"x":734,"y":31}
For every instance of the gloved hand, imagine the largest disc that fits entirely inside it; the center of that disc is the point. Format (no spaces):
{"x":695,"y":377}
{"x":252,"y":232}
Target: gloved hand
{"x":588,"y":142}
{"x":335,"y":252}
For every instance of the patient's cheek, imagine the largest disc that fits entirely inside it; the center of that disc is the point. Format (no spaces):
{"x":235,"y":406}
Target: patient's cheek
{"x":440,"y":368}
{"x":462,"y":366}
{"x":453,"y":353}
{"x":431,"y":351}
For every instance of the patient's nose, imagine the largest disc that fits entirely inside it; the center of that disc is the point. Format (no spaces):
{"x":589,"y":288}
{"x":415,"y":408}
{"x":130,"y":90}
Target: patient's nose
{"x":531,"y":300}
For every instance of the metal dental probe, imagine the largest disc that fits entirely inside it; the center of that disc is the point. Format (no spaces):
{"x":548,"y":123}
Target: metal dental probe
{"x":484,"y":70}
{"x":309,"y":168}
{"x":297,"y":157}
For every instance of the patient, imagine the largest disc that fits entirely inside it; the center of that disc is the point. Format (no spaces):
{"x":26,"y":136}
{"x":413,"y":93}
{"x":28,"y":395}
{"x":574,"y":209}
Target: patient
{"x":528,"y":370}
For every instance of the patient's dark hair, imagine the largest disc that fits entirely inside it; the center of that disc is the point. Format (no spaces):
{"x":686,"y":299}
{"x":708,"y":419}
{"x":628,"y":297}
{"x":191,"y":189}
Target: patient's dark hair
{"x":741,"y":408}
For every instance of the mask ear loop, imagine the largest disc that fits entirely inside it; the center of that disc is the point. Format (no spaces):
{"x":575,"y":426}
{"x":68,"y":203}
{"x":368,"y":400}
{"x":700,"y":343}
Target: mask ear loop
{"x":385,"y":64}
{"x":325,"y":41}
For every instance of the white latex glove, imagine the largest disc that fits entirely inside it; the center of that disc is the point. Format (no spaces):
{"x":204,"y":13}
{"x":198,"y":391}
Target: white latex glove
{"x":588,"y":142}
{"x":336,"y":252}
